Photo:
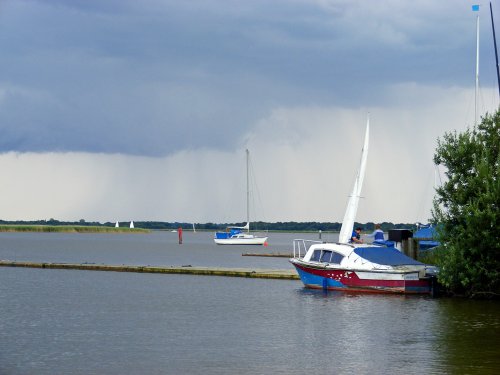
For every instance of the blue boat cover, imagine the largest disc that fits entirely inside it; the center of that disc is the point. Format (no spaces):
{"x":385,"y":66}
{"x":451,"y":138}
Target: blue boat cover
{"x":384,"y":243}
{"x":426,"y":232}
{"x":385,"y":255}
{"x":226,"y":235}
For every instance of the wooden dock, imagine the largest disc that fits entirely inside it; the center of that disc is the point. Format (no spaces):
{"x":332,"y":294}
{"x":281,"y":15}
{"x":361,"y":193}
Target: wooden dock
{"x":275,"y":255}
{"x":207,"y":271}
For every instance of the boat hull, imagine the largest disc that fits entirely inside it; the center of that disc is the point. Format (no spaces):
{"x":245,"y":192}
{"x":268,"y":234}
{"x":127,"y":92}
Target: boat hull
{"x":241,"y":241}
{"x":398,"y":282}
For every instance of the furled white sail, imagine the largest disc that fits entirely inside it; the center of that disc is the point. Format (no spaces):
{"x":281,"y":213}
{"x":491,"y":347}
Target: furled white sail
{"x":352,"y":205}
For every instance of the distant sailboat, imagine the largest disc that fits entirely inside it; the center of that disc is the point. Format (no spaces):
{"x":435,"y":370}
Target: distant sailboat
{"x":235,"y":235}
{"x":117,"y":225}
{"x":132,"y":224}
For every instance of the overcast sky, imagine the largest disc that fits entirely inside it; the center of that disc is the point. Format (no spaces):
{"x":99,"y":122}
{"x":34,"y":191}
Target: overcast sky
{"x":142,"y":110}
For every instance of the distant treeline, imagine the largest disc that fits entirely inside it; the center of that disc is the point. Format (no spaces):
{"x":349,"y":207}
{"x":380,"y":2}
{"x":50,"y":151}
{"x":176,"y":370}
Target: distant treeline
{"x":69,"y":228}
{"x":289,"y":226}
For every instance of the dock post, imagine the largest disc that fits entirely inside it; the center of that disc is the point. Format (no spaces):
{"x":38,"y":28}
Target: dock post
{"x":405,"y":247}
{"x":410,"y":247}
{"x":416,"y":247}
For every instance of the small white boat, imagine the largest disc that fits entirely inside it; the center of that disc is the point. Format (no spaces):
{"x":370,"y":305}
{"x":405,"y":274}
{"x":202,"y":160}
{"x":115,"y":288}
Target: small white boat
{"x":236,"y":236}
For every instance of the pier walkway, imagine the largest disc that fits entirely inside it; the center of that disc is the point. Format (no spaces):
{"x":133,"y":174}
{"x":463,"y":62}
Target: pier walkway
{"x":188,"y":269}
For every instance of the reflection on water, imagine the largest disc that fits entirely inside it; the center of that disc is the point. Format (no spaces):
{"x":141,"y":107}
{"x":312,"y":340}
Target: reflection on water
{"x":83,"y":322}
{"x":471,"y":336}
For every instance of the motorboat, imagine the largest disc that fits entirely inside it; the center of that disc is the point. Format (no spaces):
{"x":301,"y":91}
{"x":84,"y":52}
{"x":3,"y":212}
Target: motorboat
{"x":360,"y":267}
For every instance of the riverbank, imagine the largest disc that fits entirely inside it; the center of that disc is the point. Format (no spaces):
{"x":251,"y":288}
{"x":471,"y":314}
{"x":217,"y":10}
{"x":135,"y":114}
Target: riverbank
{"x":70,"y":229}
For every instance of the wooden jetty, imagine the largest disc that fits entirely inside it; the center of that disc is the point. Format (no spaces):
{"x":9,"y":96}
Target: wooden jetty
{"x":188,"y":269}
{"x":275,"y":255}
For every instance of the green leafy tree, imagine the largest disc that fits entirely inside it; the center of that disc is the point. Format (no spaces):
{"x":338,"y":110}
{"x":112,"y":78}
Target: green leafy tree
{"x":467,"y":208}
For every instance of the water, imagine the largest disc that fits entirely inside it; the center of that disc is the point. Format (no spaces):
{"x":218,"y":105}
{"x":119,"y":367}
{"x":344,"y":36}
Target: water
{"x":84,"y":322}
{"x":157,"y":248}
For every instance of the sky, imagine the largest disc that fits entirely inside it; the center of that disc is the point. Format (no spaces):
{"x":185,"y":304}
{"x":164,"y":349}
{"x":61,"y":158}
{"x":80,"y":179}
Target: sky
{"x":116,"y":110}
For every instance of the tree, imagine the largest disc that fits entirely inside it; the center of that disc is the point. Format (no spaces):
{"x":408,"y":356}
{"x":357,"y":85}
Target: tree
{"x":467,"y":207}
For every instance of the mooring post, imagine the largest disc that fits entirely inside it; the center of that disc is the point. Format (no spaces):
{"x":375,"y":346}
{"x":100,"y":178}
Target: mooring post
{"x":411,"y":243}
{"x":405,"y":247}
{"x":416,"y":247}
{"x":179,"y":231}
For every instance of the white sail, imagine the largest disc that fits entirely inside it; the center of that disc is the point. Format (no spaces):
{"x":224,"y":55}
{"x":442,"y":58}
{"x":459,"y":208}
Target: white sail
{"x":131,"y":224}
{"x":352,"y":205}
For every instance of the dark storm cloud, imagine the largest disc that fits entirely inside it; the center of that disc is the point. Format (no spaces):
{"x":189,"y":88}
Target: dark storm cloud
{"x":155,"y":77}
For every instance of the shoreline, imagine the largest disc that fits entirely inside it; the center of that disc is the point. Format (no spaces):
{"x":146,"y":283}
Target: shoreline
{"x":69,"y":229}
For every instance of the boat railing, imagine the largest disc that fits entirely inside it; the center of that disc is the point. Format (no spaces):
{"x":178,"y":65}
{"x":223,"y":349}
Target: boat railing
{"x":301,"y":245}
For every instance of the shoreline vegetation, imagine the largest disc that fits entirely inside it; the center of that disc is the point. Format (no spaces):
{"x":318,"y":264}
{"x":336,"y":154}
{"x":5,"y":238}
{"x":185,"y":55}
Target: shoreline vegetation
{"x":70,"y":229}
{"x":83,"y":226}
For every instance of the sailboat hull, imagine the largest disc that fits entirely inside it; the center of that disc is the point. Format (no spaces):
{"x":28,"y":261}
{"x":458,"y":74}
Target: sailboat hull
{"x":363,"y":281}
{"x":245,"y":240}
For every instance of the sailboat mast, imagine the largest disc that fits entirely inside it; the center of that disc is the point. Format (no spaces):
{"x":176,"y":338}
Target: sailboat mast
{"x":248,"y":195}
{"x":497,"y":67}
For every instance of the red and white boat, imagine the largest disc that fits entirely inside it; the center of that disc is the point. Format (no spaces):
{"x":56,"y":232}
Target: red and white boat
{"x":360,"y":267}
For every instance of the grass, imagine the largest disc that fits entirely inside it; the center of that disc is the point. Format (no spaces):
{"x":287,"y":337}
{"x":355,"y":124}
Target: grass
{"x":69,"y":229}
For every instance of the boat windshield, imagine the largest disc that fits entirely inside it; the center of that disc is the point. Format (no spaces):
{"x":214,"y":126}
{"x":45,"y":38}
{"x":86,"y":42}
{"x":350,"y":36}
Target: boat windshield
{"x":385,"y":255}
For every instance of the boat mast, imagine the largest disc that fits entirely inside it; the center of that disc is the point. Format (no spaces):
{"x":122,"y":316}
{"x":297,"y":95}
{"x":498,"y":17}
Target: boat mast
{"x":475,"y":8}
{"x":497,"y":67}
{"x":248,"y":196}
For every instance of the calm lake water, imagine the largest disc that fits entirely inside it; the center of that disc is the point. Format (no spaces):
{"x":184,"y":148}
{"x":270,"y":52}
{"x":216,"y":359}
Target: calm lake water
{"x":84,"y":322}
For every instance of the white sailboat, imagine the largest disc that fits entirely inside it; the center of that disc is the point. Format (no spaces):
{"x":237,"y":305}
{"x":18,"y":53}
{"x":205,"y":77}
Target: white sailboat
{"x":236,"y":235}
{"x":359,"y":267}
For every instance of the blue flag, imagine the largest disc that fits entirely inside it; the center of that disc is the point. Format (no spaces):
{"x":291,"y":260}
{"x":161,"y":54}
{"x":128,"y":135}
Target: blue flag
{"x":475,"y":8}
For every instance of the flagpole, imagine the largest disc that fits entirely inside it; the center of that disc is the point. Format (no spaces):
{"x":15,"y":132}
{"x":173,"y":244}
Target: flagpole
{"x":477,"y":70}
